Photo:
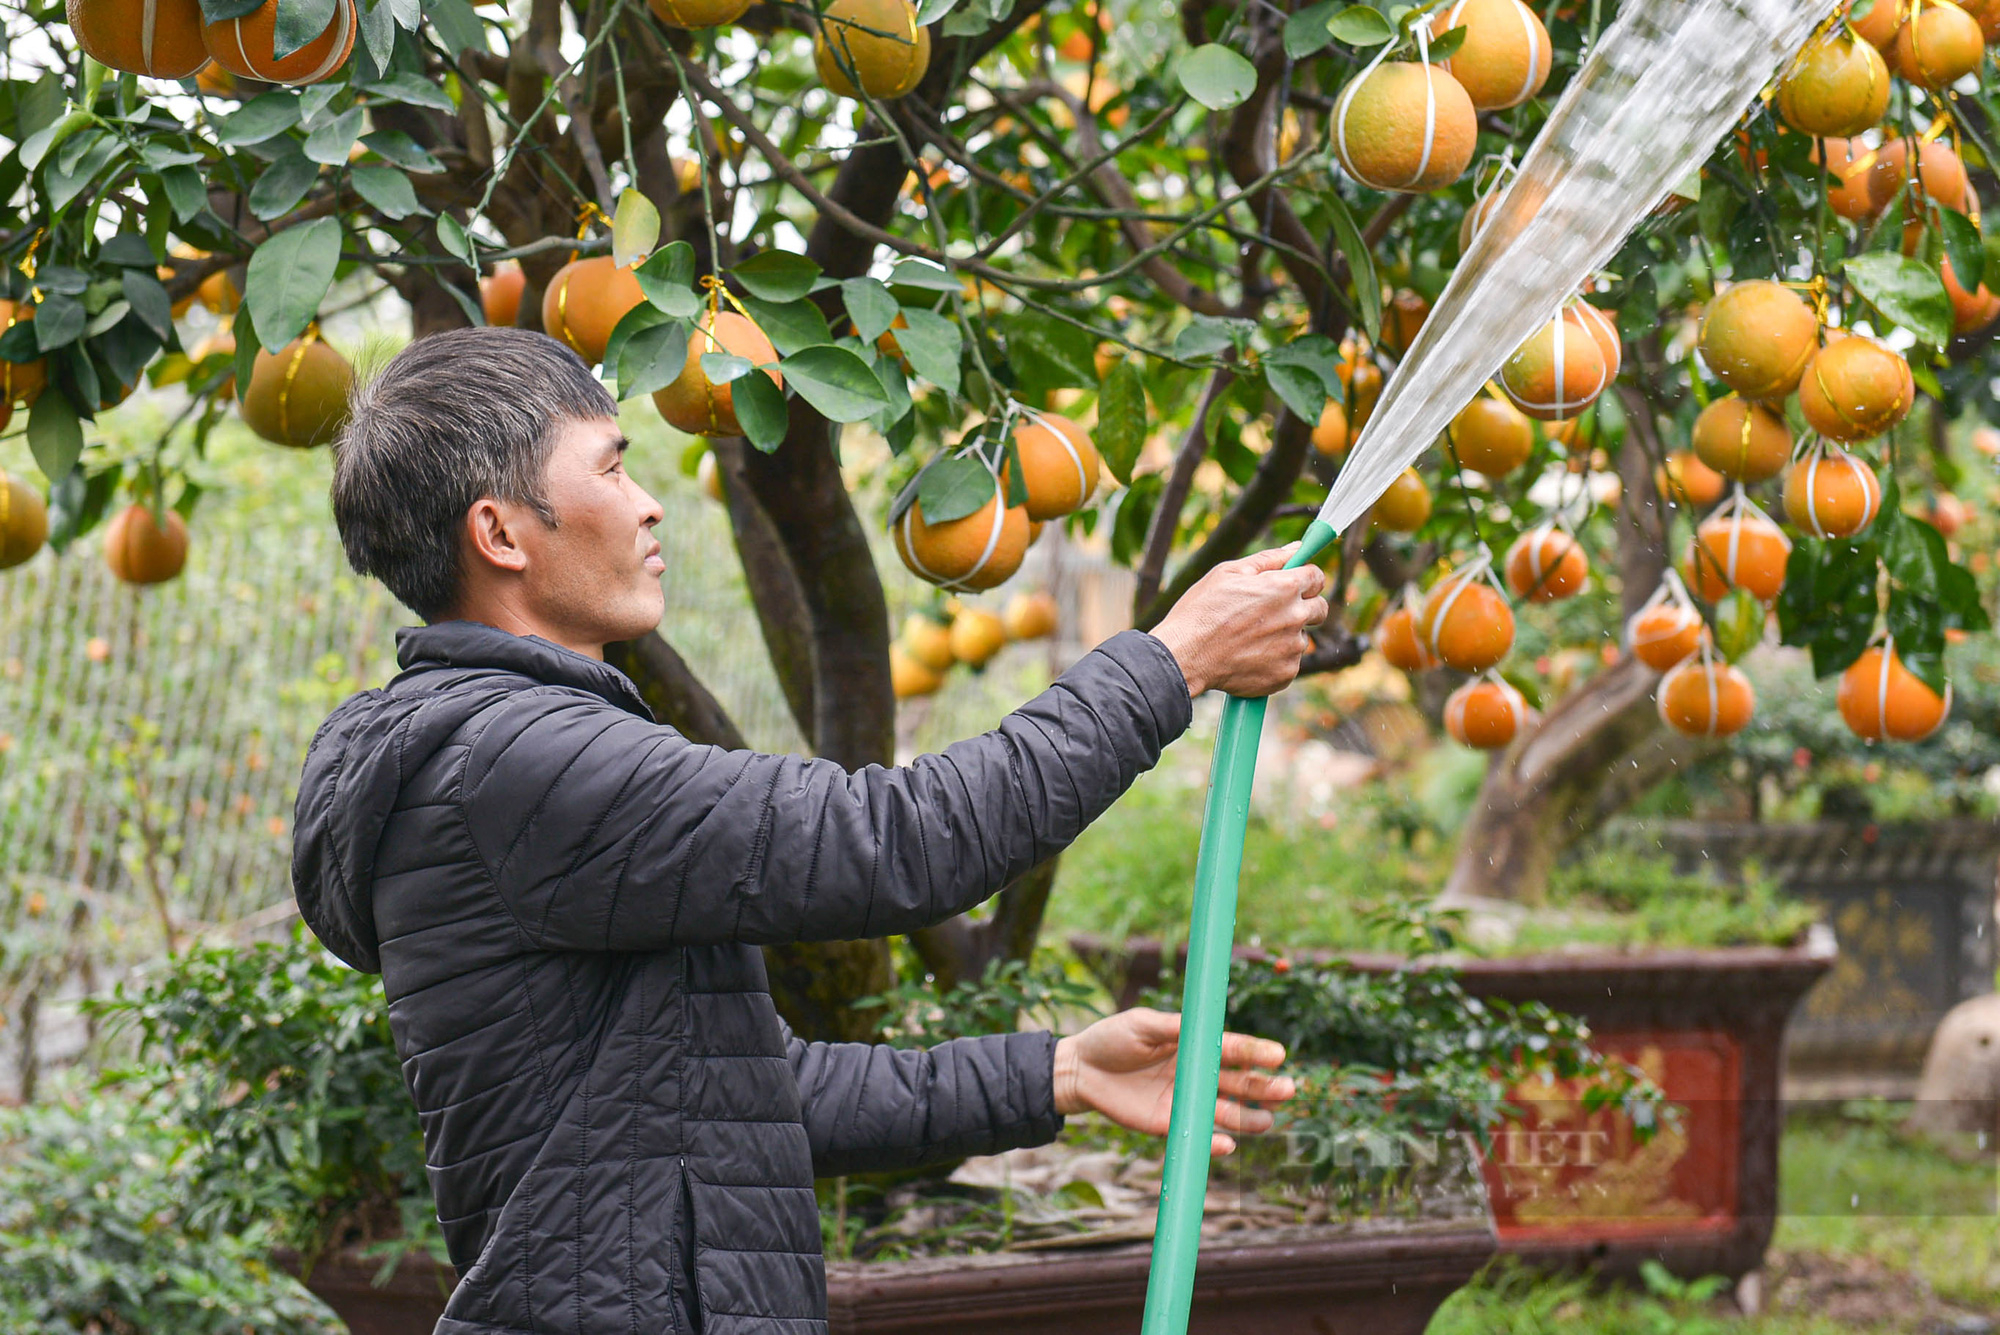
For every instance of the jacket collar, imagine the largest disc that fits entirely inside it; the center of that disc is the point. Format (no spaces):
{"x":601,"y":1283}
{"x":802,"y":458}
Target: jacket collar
{"x":473,"y":644}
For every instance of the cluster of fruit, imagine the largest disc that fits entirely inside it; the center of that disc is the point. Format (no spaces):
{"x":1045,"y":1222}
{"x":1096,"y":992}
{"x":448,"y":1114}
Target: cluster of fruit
{"x":931,"y":642}
{"x":171,"y":39}
{"x":138,"y":548}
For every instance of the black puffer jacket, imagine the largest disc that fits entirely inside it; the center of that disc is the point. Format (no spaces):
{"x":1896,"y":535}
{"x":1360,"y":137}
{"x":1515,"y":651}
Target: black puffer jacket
{"x":566,"y":899}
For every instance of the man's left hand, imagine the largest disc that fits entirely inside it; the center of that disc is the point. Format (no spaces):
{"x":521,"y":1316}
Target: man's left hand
{"x":1123,"y":1067}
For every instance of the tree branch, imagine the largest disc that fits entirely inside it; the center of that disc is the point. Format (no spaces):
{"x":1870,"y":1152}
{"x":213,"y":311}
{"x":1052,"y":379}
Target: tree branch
{"x":1173,"y":495}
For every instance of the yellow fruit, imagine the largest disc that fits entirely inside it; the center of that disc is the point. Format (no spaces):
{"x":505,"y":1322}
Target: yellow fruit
{"x":1329,"y":434}
{"x":1939,"y":175}
{"x":1290,"y":132}
{"x":1030,"y":616}
{"x":158,"y":38}
{"x":585,"y":301}
{"x":1706,"y":698}
{"x":1832,"y":494}
{"x":1362,"y":380}
{"x":708,"y":476}
{"x":1504,"y":59}
{"x":1484,"y":714}
{"x":20,"y":382}
{"x":1741,"y":550}
{"x":695,"y":405}
{"x":1558,"y":372}
{"x":140,"y":551}
{"x":1742,"y":440}
{"x":1880,"y":698}
{"x":1938,"y":47}
{"x":1490,"y":436}
{"x":1756,"y":338}
{"x":1854,"y":388}
{"x":299,"y":396}
{"x":500,"y":294}
{"x":1665,"y":634}
{"x":1466,"y":624}
{"x":1837,"y":85}
{"x":1058,"y":464}
{"x":24,"y":521}
{"x":1602,"y":326}
{"x":1545,"y":564}
{"x":1879,"y":25}
{"x":928,"y":641}
{"x":879,"y":40}
{"x":976,"y":635}
{"x":1397,"y":639}
{"x":1406,"y":504}
{"x":976,"y":552}
{"x":1404,"y":316}
{"x":697,"y":13}
{"x":1404,"y":126}
{"x":246,"y":46}
{"x":909,"y":678}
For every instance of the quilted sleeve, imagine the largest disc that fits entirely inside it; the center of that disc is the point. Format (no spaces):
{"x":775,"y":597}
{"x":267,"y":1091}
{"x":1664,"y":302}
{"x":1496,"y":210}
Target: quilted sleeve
{"x":876,"y":1109}
{"x":602,"y":831}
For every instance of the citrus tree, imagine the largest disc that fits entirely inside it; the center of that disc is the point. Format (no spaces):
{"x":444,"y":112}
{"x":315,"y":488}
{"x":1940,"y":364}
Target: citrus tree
{"x":1135,"y":268}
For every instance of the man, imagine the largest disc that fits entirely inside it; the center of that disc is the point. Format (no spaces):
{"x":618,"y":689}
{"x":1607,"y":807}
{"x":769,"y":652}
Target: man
{"x":566,"y":900}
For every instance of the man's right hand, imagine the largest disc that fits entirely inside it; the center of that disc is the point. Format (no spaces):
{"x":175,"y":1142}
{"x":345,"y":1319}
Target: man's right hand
{"x":1242,"y":627}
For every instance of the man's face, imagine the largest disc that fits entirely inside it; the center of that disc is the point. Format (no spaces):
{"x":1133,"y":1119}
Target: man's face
{"x":596,"y":574}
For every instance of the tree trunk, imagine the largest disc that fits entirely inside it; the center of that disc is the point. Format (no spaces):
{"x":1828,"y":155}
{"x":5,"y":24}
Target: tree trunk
{"x":960,"y":949}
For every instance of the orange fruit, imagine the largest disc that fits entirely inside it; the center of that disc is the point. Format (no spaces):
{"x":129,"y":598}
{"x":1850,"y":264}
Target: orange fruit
{"x":928,"y":641}
{"x":500,"y":293}
{"x":697,"y":13}
{"x":1058,"y":464}
{"x":1741,"y":550}
{"x":245,"y":46}
{"x":585,"y":301}
{"x":1504,"y":59}
{"x":1939,"y":175}
{"x":297,"y":396}
{"x":978,"y":551}
{"x":1466,"y":624}
{"x":1880,"y":698}
{"x":1664,"y":634}
{"x":1849,"y":168}
{"x":1546,"y":564}
{"x":976,"y":635}
{"x":1404,"y":316}
{"x":1756,"y":338}
{"x":1490,"y":436}
{"x":1558,"y":372}
{"x":1602,"y":326}
{"x":880,"y":40}
{"x":1706,"y":699}
{"x":1946,"y":513}
{"x":140,"y":551}
{"x":1484,"y":714}
{"x":1837,"y":85}
{"x":1361,"y":378}
{"x":1396,"y":637}
{"x":1406,"y":504}
{"x":695,"y":405}
{"x":20,"y":382}
{"x":908,"y":678}
{"x":1329,"y":434}
{"x":157,"y":38}
{"x":1685,"y":480}
{"x":1970,"y":311}
{"x":24,"y":521}
{"x":1938,"y":47}
{"x":1742,"y":440}
{"x":1879,"y":25}
{"x":1987,"y":14}
{"x":1404,"y":126}
{"x":1855,"y":388}
{"x":1030,"y":616}
{"x":1832,"y":494}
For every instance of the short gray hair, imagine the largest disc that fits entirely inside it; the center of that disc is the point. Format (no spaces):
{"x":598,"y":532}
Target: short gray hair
{"x":451,"y":419}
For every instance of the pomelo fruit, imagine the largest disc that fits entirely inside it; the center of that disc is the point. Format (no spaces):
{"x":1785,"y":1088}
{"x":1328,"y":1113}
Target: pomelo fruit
{"x":1602,"y":326}
{"x":1880,"y":698}
{"x":500,"y":293}
{"x":1362,"y":379}
{"x":1970,"y":311}
{"x":1664,"y":634}
{"x":695,"y":405}
{"x":1504,"y":59}
{"x":1030,"y":616}
{"x":1396,"y":637}
{"x":1404,"y":126}
{"x":1742,"y":439}
{"x":1740,"y":550}
{"x":1546,"y":564}
{"x":24,"y":521}
{"x":977,"y":551}
{"x":1403,"y":317}
{"x":1855,"y":388}
{"x":976,"y":635}
{"x":297,"y":396}
{"x":1466,"y":624}
{"x":928,"y":641}
{"x":1490,"y":436}
{"x":20,"y":382}
{"x":1940,"y":46}
{"x":140,"y":551}
{"x":1058,"y":464}
{"x":1879,"y":25}
{"x":1757,"y":336}
{"x":908,"y":678}
{"x":1329,"y":434}
{"x":879,"y":40}
{"x":245,"y":46}
{"x":1837,"y":85}
{"x":1557,"y":373}
{"x":158,"y":38}
{"x":1484,"y":714}
{"x":1704,"y":698}
{"x":585,"y":301}
{"x":1850,"y":168}
{"x":1939,"y":174}
{"x":1405,"y":506}
{"x":1832,"y":494}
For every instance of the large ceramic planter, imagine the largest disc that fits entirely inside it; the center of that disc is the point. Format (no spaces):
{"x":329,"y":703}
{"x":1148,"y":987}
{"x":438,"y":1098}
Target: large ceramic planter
{"x":1913,"y":908}
{"x":410,"y":1303}
{"x":1572,"y":1188}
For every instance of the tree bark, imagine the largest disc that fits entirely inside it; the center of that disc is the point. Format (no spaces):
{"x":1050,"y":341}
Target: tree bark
{"x":960,"y":949}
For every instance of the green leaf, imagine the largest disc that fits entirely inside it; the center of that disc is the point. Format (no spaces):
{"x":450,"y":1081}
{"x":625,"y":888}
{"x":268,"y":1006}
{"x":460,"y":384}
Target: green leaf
{"x":330,"y":142}
{"x":1134,"y":516}
{"x":298,"y":23}
{"x":895,"y":388}
{"x":836,"y":382}
{"x":1210,"y":336}
{"x":635,"y":228}
{"x":1739,"y":624}
{"x":792,"y":326}
{"x":723,"y":367}
{"x":127,"y":250}
{"x":411,"y":88}
{"x":1052,"y":351}
{"x":55,"y":433}
{"x":923,"y":274}
{"x":954,"y":488}
{"x":1913,"y":551}
{"x":378,"y":31}
{"x":457,"y":27}
{"x":933,"y":10}
{"x":149,"y":301}
{"x":397,"y":147}
{"x":870,"y":306}
{"x":386,"y":189}
{"x":1964,"y":248}
{"x":776,"y":275}
{"x":1446,"y":46}
{"x":1359,"y":25}
{"x":1828,"y":601}
{"x":216,"y":11}
{"x":283,"y":184}
{"x":667,"y":279}
{"x":640,"y":317}
{"x":186,"y":191}
{"x":934,"y":346}
{"x":1904,"y":291}
{"x":452,"y":236}
{"x":1360,"y":263}
{"x":287,"y":279}
{"x":1306,"y":31}
{"x":59,"y":319}
{"x":1918,"y":627}
{"x":1121,"y":420}
{"x":652,"y":358}
{"x":759,"y":406}
{"x":1217,"y":77}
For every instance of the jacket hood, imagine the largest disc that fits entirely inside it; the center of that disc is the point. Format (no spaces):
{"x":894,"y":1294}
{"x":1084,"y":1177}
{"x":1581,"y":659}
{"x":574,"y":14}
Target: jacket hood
{"x":375,"y":740}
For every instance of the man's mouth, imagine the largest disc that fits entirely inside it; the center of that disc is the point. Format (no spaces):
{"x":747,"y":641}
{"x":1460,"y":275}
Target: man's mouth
{"x":655,"y":563}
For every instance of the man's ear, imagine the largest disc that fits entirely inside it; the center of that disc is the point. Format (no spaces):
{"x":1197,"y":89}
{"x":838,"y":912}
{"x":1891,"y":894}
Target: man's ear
{"x":491,"y":528}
